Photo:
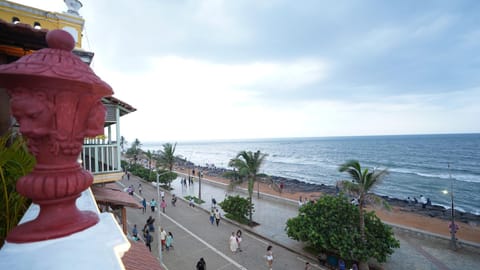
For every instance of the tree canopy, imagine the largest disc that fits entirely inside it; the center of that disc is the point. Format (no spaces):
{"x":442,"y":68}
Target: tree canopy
{"x":248,"y":165}
{"x":332,"y":224}
{"x":363,"y":180}
{"x":167,"y":156}
{"x":166,"y":159}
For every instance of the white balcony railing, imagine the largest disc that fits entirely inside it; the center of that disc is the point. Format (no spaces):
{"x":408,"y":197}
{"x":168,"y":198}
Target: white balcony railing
{"x":101,"y":158}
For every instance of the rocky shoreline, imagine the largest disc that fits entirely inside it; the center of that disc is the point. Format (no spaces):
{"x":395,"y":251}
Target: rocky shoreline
{"x":294,"y":185}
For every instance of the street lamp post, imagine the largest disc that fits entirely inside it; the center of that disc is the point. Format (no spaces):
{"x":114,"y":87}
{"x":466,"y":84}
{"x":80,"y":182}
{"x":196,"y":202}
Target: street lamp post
{"x":158,"y":211}
{"x":200,"y":185}
{"x":452,"y":226}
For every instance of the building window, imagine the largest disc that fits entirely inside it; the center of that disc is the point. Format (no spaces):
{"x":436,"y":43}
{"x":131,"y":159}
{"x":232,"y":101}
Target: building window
{"x":37,"y":25}
{"x":15,"y":20}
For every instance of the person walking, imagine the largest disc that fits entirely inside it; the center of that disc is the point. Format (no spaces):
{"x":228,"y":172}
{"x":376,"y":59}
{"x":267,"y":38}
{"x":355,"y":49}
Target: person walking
{"x":163,"y":205}
{"x":140,"y":188}
{"x":163,"y":237}
{"x":214,"y":203}
{"x":148,"y":240}
{"x":201,"y":264}
{"x":153,"y":204}
{"x":162,"y":194}
{"x":233,"y":243}
{"x":212,"y":216}
{"x":149,"y":224}
{"x":169,"y":241}
{"x":191,"y":202}
{"x":269,"y":257}
{"x":174,"y":200}
{"x":239,"y":240}
{"x":144,"y":205}
{"x":217,"y":216}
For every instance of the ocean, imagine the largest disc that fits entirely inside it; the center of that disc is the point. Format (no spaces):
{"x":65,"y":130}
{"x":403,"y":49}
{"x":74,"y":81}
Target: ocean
{"x":418,"y":164}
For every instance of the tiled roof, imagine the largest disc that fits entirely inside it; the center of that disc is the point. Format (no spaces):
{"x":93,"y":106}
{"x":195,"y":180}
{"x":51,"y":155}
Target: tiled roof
{"x":138,"y":257}
{"x":110,"y":193}
{"x":127,"y":108}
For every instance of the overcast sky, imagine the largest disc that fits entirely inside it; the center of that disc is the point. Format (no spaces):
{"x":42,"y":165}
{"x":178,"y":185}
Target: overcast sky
{"x":206,"y":70}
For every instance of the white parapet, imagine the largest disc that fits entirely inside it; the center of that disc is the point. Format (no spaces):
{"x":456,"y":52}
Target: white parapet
{"x":99,"y":247}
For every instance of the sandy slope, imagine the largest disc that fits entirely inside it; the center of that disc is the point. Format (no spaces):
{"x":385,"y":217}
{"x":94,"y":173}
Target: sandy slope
{"x":396,"y":215}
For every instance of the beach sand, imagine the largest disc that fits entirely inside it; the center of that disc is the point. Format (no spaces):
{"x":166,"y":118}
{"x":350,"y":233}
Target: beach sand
{"x":396,"y":215}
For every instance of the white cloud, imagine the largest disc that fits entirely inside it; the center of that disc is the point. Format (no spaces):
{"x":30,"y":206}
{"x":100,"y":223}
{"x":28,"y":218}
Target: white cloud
{"x":189,"y":95}
{"x":227,"y":69}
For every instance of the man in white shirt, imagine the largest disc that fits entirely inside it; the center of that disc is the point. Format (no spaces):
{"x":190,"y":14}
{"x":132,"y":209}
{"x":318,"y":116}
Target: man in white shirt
{"x":163,"y":237}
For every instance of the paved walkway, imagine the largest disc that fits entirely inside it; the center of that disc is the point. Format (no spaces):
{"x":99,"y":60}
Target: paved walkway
{"x":416,"y":252}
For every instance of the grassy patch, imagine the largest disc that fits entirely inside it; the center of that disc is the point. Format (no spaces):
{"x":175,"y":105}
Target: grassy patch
{"x":195,"y":199}
{"x":241,"y":220}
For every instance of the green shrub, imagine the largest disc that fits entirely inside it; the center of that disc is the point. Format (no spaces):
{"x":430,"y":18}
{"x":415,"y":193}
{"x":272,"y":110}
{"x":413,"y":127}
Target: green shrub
{"x":195,"y":199}
{"x":332,"y":225}
{"x":123,"y":164}
{"x":15,"y":162}
{"x":165,"y":177}
{"x":236,"y":208}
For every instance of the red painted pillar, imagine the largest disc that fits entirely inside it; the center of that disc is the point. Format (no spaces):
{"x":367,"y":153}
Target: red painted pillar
{"x":56,"y":99}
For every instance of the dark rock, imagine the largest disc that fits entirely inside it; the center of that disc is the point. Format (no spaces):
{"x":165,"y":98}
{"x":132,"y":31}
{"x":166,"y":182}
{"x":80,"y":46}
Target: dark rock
{"x":294,"y":185}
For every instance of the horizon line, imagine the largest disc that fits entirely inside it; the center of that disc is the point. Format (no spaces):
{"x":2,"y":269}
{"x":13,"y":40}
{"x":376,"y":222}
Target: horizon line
{"x":305,"y":138}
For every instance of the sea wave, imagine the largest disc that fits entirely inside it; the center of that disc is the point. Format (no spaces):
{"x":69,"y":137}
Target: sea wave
{"x":470,"y":178}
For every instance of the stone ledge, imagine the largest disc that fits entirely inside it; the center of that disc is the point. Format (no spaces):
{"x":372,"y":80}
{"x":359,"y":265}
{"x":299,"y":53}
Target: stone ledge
{"x":98,"y":247}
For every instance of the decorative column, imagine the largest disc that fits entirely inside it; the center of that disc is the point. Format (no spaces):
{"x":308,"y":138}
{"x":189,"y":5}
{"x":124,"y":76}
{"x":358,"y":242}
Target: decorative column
{"x":56,"y":99}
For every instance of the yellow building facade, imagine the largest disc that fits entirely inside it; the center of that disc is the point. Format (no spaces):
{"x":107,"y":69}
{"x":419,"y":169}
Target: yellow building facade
{"x":22,"y":31}
{"x":40,"y":19}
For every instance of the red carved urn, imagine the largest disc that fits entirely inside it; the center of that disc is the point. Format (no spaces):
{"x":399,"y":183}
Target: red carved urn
{"x":56,"y":99}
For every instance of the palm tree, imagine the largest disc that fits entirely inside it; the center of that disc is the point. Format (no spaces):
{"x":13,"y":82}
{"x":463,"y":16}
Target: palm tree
{"x":363,"y":181}
{"x":136,"y":150}
{"x":149,"y":155}
{"x":123,"y":143}
{"x":137,"y":143}
{"x":167,"y":157}
{"x":248,"y":164}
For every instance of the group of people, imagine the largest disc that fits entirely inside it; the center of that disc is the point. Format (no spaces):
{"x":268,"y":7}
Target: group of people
{"x":215,"y":216}
{"x":302,"y":201}
{"x":202,"y":265}
{"x":424,"y":201}
{"x":166,"y":239}
{"x":149,"y":224}
{"x":184,"y":181}
{"x":130,"y":190}
{"x":235,"y":241}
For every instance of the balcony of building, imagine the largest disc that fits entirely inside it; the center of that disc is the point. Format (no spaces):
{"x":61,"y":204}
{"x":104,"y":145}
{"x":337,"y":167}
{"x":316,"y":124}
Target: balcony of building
{"x":102,"y":155}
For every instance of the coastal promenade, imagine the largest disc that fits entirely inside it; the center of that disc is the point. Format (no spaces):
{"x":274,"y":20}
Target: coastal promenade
{"x":417,"y":251}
